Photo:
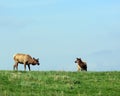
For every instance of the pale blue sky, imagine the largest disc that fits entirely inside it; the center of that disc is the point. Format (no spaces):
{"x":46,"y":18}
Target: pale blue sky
{"x":58,"y":31}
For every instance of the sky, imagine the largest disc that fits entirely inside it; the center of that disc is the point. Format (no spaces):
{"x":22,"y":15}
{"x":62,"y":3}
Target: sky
{"x":59,"y":31}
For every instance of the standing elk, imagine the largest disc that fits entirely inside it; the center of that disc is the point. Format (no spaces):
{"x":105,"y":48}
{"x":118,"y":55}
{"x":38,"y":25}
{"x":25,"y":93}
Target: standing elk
{"x":24,"y":59}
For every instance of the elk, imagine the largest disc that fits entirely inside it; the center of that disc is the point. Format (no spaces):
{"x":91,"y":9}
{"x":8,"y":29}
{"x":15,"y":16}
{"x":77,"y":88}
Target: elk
{"x":82,"y":66}
{"x":24,"y":59}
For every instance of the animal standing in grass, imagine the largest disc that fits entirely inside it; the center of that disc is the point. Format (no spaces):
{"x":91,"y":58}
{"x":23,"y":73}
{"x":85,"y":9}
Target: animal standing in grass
{"x":82,"y":66}
{"x":24,"y":59}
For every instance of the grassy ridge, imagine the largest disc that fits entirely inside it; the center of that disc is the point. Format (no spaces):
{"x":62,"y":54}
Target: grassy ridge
{"x":53,"y":83}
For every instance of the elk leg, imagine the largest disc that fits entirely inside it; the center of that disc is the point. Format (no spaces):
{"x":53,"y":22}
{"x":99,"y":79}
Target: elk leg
{"x":15,"y":66}
{"x":25,"y":67}
{"x":82,"y":69}
{"x":79,"y":68}
{"x":29,"y":67}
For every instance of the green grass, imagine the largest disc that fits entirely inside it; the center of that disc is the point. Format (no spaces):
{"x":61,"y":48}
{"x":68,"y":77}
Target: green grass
{"x":59,"y":83}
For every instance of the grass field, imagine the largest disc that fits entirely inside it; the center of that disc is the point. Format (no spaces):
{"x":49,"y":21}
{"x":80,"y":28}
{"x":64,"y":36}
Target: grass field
{"x":59,"y":83}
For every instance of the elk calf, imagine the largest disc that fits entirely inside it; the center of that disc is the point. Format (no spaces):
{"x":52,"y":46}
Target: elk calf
{"x":82,"y":66}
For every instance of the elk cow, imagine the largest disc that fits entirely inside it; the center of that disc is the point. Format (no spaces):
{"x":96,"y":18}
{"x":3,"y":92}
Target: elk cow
{"x":82,"y":66}
{"x":24,"y":59}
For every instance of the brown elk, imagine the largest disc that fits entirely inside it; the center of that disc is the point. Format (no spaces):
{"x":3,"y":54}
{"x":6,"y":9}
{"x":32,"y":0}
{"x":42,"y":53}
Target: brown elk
{"x":24,"y":59}
{"x":82,"y":66}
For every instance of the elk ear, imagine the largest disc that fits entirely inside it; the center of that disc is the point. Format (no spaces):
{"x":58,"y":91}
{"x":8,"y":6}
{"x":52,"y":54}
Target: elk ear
{"x":77,"y":58}
{"x":33,"y":58}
